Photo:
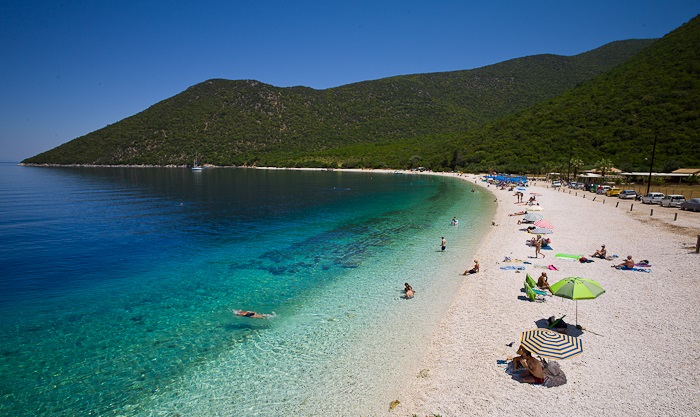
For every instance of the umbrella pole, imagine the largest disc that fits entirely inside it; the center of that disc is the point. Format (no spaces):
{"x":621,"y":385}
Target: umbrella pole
{"x":577,"y":326}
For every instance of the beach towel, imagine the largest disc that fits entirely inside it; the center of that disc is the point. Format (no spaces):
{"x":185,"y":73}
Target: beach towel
{"x":507,"y":259}
{"x":634,"y":269}
{"x":511,"y":267}
{"x":568,"y":257}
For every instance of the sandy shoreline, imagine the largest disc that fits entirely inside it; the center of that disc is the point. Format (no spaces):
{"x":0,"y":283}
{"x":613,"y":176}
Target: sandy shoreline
{"x":639,"y":343}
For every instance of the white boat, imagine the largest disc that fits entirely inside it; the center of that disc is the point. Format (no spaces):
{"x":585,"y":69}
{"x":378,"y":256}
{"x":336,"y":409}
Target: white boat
{"x":195,"y":166}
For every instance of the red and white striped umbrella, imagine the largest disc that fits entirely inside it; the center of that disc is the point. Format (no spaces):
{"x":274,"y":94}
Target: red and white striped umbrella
{"x":545,"y":224}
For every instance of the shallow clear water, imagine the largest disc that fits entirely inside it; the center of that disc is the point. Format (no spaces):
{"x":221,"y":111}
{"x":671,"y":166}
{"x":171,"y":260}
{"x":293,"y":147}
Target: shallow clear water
{"x":117,"y":285}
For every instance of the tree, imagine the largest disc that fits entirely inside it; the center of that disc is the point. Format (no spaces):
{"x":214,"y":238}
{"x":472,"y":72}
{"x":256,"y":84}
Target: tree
{"x":603,"y":166}
{"x":576,"y":164}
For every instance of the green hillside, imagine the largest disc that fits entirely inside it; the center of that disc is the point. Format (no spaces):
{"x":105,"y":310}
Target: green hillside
{"x":388,"y":122}
{"x":616,"y":116}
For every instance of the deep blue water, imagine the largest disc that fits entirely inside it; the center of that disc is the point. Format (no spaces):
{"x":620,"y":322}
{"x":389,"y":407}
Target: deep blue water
{"x":116,"y":284}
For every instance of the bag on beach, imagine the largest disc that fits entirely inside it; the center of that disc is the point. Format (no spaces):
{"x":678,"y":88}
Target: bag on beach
{"x":554,"y":376}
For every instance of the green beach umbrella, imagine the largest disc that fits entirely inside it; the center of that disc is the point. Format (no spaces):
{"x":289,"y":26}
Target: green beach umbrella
{"x":576,"y":288}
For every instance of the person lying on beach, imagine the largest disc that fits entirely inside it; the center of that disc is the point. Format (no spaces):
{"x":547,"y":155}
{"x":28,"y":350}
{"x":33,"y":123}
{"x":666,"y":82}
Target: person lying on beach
{"x":600,"y":253}
{"x":474,"y":270}
{"x":626,"y":264}
{"x":520,"y":213}
{"x":533,"y":371}
{"x":408,"y":290}
{"x":251,"y":314}
{"x":543,"y":283}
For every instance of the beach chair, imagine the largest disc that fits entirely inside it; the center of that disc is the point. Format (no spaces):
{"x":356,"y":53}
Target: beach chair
{"x":530,"y":281}
{"x":555,"y":322}
{"x":534,"y":295}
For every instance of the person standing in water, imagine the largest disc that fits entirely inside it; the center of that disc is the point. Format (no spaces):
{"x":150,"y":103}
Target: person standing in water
{"x":443,"y":243}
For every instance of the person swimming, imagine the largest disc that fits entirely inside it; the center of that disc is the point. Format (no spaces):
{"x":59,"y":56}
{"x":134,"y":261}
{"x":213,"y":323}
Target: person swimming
{"x":252,"y":314}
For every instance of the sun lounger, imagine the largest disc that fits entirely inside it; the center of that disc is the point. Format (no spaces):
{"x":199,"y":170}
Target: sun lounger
{"x":534,"y":295}
{"x":530,"y":280}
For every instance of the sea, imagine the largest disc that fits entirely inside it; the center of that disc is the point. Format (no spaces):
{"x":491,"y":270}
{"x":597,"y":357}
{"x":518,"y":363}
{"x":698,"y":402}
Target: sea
{"x":119,"y":286}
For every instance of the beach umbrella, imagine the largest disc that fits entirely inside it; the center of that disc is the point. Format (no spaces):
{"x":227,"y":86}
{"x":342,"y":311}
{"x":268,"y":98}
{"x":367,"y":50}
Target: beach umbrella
{"x":541,"y":231}
{"x":550,"y":344}
{"x":575,"y":288}
{"x":532,"y":217}
{"x":535,"y":208}
{"x":545,"y":224}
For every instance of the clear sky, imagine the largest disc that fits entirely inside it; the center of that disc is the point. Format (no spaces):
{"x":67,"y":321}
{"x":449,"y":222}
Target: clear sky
{"x":71,"y":67}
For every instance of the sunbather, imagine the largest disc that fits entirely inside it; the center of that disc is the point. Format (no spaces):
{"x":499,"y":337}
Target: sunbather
{"x":474,"y":270}
{"x":533,"y":371}
{"x":557,"y":325}
{"x":543,"y":283}
{"x":626,"y":264}
{"x":600,"y":253}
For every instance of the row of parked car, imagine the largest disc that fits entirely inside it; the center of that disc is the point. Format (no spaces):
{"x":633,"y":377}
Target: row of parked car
{"x":671,"y":200}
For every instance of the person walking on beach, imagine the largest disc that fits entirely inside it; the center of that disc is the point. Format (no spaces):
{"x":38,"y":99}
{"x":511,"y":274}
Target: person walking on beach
{"x":538,"y":247}
{"x":443,"y":243}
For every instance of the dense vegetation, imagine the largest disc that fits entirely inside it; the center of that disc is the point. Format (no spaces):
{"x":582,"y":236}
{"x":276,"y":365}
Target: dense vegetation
{"x":528,"y":114}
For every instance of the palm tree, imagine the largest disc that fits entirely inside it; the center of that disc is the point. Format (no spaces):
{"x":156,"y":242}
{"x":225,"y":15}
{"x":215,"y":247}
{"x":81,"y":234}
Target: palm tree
{"x":576,"y":164}
{"x":603,"y":166}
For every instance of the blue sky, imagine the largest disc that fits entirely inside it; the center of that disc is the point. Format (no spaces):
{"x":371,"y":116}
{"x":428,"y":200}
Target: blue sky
{"x":71,"y":67}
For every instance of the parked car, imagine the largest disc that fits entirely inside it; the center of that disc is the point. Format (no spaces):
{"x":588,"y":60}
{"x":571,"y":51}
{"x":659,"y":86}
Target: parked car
{"x":613,"y":192}
{"x":573,"y":184}
{"x":628,"y":194}
{"x":672,"y":200}
{"x":692,"y":204}
{"x":603,"y":189}
{"x":653,"y":198}
{"x":556,"y":184}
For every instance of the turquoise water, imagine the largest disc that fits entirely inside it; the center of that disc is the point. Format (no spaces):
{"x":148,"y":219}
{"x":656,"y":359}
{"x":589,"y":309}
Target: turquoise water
{"x":117,"y":287}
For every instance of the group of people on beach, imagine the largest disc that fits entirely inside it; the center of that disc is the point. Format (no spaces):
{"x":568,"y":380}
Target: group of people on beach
{"x":602,"y":253}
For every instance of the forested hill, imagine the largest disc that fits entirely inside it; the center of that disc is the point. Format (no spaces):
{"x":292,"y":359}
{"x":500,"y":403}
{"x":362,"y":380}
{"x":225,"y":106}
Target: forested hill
{"x":614,"y":118}
{"x":248,"y":122}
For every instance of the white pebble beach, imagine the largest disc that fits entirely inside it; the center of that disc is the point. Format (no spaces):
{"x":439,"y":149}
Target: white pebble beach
{"x":639,"y":337}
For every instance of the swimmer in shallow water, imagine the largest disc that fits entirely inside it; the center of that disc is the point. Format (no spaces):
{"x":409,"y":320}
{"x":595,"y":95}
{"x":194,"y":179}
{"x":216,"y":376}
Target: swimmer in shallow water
{"x":408,"y":290}
{"x":252,"y":314}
